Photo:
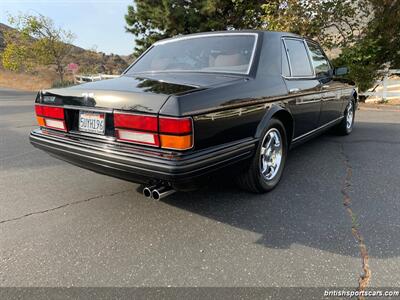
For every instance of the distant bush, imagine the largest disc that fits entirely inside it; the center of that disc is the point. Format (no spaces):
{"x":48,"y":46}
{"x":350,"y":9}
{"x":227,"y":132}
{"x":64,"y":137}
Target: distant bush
{"x":62,"y":84}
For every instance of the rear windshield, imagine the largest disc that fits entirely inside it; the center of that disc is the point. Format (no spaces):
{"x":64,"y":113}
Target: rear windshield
{"x":230,"y":53}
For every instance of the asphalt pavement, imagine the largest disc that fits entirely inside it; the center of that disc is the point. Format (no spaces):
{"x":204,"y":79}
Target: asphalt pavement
{"x":64,"y":226}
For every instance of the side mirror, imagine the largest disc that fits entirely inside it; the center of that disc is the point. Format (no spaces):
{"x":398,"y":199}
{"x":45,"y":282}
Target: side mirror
{"x":341,"y":71}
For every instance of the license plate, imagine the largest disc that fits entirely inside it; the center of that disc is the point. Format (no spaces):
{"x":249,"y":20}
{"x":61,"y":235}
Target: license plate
{"x":92,"y":122}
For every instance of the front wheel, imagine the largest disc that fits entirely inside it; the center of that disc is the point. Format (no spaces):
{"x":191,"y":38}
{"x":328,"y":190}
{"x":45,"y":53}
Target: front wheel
{"x":345,"y":127}
{"x":266,"y":167}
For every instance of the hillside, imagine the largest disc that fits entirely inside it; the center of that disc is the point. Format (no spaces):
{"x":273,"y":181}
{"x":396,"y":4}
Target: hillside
{"x":89,"y":62}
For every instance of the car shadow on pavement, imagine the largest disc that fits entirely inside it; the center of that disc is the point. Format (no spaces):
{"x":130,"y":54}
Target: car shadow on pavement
{"x":307,"y":206}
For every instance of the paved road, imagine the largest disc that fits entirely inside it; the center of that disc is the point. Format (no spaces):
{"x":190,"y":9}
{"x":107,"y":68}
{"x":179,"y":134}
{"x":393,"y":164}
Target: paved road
{"x":64,"y":226}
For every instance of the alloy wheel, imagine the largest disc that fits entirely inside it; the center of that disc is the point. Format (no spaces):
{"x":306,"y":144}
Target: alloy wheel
{"x":349,"y":116}
{"x":271,"y":154}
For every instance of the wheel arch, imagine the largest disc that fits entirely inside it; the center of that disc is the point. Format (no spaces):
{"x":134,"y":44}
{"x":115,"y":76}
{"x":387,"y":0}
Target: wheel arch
{"x":283,"y":115}
{"x":355,"y":97}
{"x":354,"y":94}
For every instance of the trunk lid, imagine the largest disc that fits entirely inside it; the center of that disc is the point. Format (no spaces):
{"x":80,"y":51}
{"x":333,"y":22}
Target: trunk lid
{"x":141,"y":94}
{"x":94,"y":102}
{"x":123,"y":93}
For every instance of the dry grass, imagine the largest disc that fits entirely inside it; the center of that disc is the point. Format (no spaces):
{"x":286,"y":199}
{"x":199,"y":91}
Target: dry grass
{"x":25,"y":81}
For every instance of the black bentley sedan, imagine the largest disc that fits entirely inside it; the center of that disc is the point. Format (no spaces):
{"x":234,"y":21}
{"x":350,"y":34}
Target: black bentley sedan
{"x":197,"y":105}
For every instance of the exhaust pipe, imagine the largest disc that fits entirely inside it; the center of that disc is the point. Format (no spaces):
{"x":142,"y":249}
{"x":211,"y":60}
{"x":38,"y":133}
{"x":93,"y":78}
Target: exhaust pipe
{"x":162,"y":192}
{"x":148,"y":190}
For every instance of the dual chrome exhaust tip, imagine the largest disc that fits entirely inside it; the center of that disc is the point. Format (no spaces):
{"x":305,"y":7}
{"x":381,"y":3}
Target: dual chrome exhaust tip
{"x":157,"y":192}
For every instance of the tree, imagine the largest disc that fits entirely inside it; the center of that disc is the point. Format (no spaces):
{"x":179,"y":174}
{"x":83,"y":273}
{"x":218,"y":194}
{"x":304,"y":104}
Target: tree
{"x":367,"y":32}
{"x":334,"y":23}
{"x":378,"y":47}
{"x":384,"y":30}
{"x":36,"y":41}
{"x":151,"y":20}
{"x":361,"y":59}
{"x":18,"y":53}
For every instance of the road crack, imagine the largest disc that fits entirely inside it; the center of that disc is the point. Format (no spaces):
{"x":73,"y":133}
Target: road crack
{"x":365,"y":277}
{"x":62,"y":206}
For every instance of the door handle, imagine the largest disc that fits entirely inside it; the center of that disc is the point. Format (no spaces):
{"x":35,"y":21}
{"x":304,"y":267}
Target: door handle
{"x":294,"y":90}
{"x":325,"y":87}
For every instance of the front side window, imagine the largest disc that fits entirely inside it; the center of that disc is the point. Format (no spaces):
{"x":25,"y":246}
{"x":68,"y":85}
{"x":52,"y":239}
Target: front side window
{"x":320,"y":63}
{"x":229,"y":53}
{"x":298,"y":58}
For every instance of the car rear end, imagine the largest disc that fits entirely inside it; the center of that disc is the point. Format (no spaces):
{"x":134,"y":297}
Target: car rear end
{"x":146,"y":148}
{"x":133,"y":145}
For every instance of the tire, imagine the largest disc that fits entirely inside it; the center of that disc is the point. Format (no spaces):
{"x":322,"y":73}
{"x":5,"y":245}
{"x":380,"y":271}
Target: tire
{"x":260,"y":176}
{"x":345,"y":127}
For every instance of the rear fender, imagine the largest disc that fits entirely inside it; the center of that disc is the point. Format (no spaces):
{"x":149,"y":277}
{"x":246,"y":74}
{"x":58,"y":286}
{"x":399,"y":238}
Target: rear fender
{"x":276,"y":111}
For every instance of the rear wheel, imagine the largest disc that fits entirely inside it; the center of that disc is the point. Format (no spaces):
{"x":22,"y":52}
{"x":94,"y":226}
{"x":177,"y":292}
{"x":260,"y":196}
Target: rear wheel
{"x":266,"y":167}
{"x":345,"y":127}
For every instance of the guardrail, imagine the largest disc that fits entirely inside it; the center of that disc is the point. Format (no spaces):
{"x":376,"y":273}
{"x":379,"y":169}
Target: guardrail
{"x":387,"y":88}
{"x":90,"y":78}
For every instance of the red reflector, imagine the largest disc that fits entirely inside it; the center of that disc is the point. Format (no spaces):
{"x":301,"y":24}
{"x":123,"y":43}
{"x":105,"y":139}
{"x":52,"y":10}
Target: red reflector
{"x":49,"y":111}
{"x":138,"y":122}
{"x":177,"y":126}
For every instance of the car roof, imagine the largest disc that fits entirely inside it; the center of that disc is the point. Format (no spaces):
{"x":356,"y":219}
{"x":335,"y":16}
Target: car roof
{"x":227,"y":32}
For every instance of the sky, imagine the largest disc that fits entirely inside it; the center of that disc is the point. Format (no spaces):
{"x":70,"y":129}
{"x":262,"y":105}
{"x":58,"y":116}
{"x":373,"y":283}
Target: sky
{"x":95,"y":23}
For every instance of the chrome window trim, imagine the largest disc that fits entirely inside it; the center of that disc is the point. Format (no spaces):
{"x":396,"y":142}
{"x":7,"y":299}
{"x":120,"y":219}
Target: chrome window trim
{"x":174,"y":39}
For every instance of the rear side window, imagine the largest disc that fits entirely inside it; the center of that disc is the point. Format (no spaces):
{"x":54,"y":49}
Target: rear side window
{"x":298,"y":57}
{"x":320,"y":62}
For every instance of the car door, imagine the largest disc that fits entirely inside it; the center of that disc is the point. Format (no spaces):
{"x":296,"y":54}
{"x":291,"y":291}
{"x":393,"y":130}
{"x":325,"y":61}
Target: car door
{"x":330,"y":90}
{"x":304,"y":88}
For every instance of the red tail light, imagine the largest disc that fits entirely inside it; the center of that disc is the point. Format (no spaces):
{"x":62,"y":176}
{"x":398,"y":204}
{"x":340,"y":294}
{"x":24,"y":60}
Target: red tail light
{"x":50,"y":111}
{"x":176,"y":133}
{"x":134,"y":128}
{"x":50,"y":117}
{"x":164,"y":132}
{"x":175,"y":125}
{"x":133,"y":121}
